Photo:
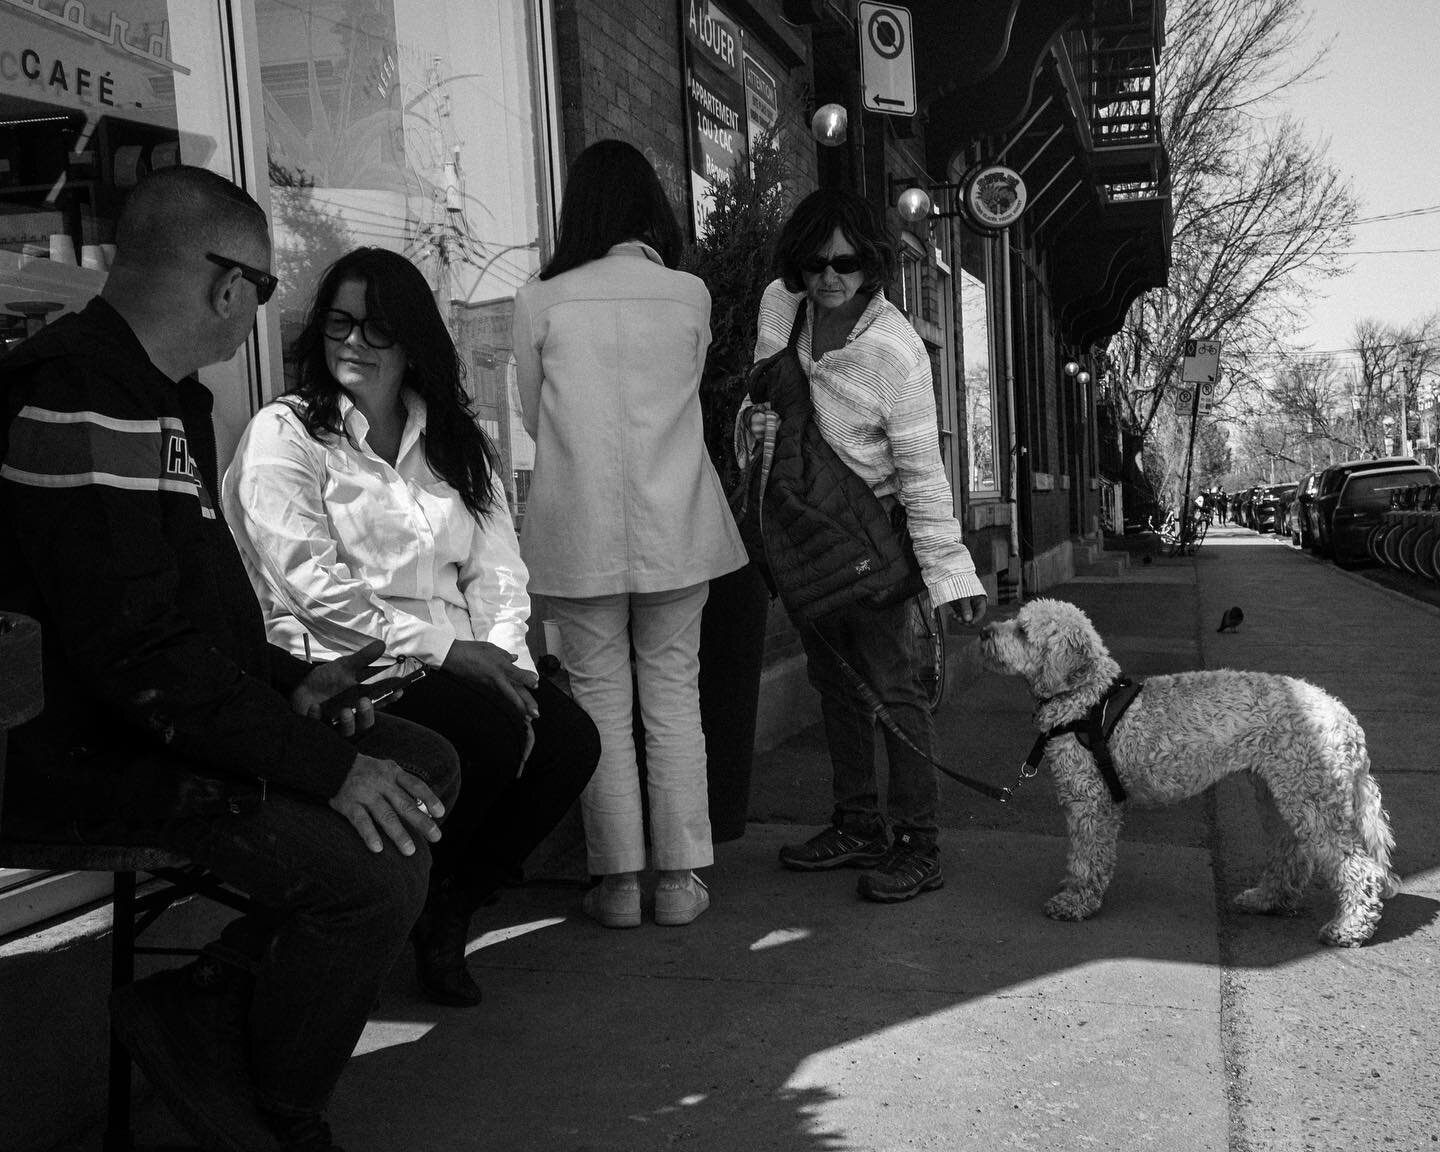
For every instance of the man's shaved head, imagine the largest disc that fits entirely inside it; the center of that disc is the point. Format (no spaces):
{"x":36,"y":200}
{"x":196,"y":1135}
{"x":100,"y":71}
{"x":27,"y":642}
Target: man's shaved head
{"x":173,"y":214}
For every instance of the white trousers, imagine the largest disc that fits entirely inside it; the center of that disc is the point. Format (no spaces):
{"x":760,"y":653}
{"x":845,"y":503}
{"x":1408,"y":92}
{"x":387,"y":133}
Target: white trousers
{"x":663,"y":628}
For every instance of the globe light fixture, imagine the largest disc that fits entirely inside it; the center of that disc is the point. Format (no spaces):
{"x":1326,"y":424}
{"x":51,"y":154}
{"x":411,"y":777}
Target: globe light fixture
{"x":830,"y":125}
{"x":1082,"y":377}
{"x":914,"y":205}
{"x":1071,"y":367}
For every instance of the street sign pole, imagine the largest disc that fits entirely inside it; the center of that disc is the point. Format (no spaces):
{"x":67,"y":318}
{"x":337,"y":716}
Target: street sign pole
{"x":1185,"y":532}
{"x":1201,"y":369}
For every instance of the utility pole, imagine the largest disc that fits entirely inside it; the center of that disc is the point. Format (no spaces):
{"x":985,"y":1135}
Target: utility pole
{"x":1410,"y":358}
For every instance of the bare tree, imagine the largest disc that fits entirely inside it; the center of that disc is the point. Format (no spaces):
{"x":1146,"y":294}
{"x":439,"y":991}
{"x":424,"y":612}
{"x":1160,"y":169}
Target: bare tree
{"x":1259,"y":214}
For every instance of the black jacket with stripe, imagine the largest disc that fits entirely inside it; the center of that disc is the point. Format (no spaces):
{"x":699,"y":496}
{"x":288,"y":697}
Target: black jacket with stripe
{"x":153,"y":643}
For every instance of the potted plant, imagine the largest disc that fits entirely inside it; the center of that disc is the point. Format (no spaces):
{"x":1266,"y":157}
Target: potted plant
{"x":733,"y":256}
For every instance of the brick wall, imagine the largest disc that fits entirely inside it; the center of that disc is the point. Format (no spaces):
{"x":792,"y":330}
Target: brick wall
{"x":621,"y":75}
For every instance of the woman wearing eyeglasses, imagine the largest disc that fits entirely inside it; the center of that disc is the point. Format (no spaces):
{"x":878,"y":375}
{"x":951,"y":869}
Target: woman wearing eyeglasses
{"x":874,"y":403}
{"x":368,"y":504}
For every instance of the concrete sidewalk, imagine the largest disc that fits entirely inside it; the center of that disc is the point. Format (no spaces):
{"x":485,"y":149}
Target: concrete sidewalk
{"x":795,"y":1017}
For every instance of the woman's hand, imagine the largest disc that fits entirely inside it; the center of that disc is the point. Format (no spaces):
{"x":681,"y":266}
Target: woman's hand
{"x":332,"y":678}
{"x":484,"y":665}
{"x":969,"y":611}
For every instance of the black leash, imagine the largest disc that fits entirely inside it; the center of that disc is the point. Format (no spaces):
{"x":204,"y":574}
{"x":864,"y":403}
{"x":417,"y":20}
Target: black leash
{"x":883,"y":714}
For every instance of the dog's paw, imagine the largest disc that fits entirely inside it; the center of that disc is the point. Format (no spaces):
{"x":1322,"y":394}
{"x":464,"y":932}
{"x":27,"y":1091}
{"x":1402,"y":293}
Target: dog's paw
{"x":1260,"y":902}
{"x":1067,"y":905}
{"x":1349,"y":935}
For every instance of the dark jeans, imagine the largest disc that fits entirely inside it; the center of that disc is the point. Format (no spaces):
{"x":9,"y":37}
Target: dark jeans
{"x":879,"y":646}
{"x":338,"y":916}
{"x":501,"y":817}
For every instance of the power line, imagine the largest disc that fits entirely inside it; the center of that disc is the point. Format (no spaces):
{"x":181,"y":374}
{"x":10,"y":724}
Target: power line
{"x":1386,"y":251}
{"x":1403,"y":214}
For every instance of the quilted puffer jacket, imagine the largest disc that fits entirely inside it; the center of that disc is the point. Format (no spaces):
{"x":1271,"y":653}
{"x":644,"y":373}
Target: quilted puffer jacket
{"x":827,"y":540}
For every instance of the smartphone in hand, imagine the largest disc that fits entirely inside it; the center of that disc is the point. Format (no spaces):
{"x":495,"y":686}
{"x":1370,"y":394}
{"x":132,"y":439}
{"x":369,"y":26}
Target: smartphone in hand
{"x":379,"y":688}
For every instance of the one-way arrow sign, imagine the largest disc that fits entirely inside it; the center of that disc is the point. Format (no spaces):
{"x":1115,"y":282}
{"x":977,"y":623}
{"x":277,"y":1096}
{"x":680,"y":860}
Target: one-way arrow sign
{"x":887,"y":58}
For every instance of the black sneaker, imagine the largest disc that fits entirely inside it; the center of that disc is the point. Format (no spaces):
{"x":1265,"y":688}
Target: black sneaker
{"x":908,"y":869}
{"x":834,"y":848}
{"x":186,"y":1031}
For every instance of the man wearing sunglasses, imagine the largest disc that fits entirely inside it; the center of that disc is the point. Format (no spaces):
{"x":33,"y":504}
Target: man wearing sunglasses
{"x":168,"y":719}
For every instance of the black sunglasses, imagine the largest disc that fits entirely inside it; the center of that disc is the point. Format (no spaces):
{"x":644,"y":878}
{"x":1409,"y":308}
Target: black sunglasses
{"x":843,"y":265}
{"x":338,"y":324}
{"x":265,"y":283}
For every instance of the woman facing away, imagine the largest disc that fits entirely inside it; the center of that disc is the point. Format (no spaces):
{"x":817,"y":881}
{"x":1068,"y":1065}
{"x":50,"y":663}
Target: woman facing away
{"x":367,"y":504}
{"x":626,"y":522}
{"x":874,"y":403}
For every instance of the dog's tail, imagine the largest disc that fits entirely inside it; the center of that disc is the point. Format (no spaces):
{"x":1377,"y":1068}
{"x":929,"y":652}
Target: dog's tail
{"x":1373,"y":825}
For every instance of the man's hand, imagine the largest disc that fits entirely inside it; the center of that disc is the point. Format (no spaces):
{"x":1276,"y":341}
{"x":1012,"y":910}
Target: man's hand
{"x":485,"y":665}
{"x":333,"y":677}
{"x":969,"y":611}
{"x":380,"y":796}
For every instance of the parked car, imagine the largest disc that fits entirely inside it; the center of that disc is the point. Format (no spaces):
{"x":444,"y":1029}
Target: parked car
{"x":1362,"y":501}
{"x":1327,"y":492}
{"x":1269,"y":505}
{"x":1297,"y":514}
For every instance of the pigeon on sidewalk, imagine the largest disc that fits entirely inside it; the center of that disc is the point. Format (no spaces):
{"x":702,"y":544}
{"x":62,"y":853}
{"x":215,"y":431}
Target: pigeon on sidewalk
{"x":1231,"y":620}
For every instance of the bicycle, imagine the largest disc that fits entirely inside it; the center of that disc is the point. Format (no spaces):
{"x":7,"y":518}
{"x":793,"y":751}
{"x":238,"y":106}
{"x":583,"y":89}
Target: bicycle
{"x":927,"y":626}
{"x":1182,"y":540}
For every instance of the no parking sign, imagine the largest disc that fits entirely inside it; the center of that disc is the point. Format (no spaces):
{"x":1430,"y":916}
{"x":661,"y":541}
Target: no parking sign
{"x":887,"y":58}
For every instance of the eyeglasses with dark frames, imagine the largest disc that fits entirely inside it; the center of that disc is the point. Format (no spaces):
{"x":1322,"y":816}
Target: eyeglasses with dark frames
{"x":265,"y":283}
{"x":338,"y":324}
{"x":843,"y":265}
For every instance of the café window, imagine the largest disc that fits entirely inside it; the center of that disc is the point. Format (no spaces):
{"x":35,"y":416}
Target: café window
{"x":91,"y":98}
{"x":413,"y":125}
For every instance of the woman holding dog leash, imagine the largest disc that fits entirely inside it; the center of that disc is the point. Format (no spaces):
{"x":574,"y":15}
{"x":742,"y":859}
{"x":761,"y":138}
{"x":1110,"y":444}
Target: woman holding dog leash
{"x":874,"y":404}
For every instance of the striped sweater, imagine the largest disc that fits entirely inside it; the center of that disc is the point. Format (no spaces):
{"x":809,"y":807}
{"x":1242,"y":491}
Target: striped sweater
{"x":874,"y":403}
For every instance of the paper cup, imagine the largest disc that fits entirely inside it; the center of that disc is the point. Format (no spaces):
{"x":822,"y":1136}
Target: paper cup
{"x":62,"y":248}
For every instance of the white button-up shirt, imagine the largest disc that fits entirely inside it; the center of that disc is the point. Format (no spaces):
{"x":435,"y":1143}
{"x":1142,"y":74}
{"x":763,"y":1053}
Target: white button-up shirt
{"x":342,"y":548}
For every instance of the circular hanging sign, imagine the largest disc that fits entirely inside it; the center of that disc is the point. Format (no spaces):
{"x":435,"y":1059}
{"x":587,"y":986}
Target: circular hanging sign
{"x":994,"y":197}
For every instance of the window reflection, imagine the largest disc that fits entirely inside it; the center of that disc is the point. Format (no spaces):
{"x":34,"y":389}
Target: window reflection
{"x":88,"y":105}
{"x":410,"y":124}
{"x":979,"y":394}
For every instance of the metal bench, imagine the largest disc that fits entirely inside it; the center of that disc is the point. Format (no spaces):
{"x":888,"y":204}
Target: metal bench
{"x":174,"y":877}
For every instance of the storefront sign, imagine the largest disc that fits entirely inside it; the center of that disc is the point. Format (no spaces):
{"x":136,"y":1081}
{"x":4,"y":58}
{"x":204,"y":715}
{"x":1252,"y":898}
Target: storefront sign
{"x":60,"y":60}
{"x":762,"y":99}
{"x":715,"y":99}
{"x":994,"y":197}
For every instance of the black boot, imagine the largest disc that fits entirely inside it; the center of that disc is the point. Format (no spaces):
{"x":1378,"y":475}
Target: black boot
{"x":441,"y":934}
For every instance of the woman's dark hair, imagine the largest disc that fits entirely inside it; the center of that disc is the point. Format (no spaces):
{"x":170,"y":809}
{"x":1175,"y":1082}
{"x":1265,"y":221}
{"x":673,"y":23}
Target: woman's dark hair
{"x":396,"y":295}
{"x":813,"y":222}
{"x":612,"y":195}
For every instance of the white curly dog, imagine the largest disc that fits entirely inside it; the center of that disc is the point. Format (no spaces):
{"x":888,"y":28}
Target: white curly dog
{"x":1305,"y":751}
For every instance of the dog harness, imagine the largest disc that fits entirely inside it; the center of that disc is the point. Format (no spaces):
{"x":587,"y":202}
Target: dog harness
{"x":1093,"y":731}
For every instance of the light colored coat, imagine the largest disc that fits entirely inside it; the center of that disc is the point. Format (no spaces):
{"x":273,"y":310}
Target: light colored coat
{"x":624,"y":497}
